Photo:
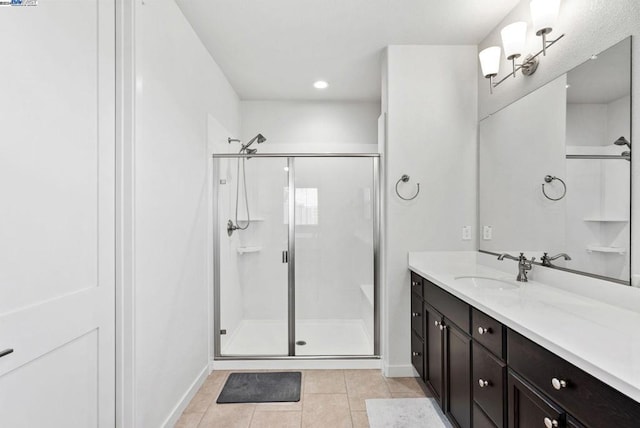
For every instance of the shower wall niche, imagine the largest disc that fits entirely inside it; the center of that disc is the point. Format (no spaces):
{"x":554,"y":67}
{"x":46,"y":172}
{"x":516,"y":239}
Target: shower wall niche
{"x":296,"y":288}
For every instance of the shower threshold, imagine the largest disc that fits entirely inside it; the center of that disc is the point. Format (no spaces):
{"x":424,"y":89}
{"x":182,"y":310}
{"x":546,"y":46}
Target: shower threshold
{"x":268,"y":338}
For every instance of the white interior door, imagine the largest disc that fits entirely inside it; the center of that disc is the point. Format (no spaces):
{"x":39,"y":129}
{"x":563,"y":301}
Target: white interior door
{"x":57,"y":192}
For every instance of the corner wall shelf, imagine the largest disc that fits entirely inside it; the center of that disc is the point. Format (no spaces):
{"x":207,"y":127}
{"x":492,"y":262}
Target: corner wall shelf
{"x":607,"y":219}
{"x":245,"y":250}
{"x":604,"y":249}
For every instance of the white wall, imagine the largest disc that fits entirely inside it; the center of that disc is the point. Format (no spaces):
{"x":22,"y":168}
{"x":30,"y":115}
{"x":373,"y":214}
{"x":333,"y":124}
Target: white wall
{"x":308,"y":126}
{"x":177,"y":85}
{"x":591,"y":27}
{"x":430,"y":99}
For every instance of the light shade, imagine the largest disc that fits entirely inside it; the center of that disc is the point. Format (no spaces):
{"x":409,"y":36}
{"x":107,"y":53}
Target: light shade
{"x":544,"y":14}
{"x":490,"y":61}
{"x":514,"y":37}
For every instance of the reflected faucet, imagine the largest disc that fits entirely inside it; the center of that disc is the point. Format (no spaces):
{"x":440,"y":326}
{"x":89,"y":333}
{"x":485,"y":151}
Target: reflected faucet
{"x":524,"y":265}
{"x":546,"y":260}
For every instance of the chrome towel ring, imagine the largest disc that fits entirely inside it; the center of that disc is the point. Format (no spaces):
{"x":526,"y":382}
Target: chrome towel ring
{"x":405,"y":179}
{"x":549,"y":179}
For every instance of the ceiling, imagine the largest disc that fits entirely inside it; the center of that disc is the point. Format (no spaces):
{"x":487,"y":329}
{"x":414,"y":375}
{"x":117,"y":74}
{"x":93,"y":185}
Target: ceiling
{"x":603,"y":79}
{"x":276,"y":49}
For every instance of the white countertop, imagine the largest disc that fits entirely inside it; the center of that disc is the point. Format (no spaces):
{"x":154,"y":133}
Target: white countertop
{"x":600,"y":338}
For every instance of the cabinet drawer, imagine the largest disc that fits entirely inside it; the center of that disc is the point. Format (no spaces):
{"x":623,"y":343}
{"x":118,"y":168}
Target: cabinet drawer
{"x":416,"y":284}
{"x":489,"y":376}
{"x":417,"y":320}
{"x":528,"y":408}
{"x":488,"y":331}
{"x":417,"y":354}
{"x":450,"y":306}
{"x":582,"y":395}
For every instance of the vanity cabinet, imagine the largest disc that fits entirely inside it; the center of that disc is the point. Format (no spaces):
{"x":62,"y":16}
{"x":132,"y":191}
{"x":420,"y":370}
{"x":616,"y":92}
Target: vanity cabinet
{"x":485,"y":375}
{"x":447,"y":349}
{"x":584,"y":397}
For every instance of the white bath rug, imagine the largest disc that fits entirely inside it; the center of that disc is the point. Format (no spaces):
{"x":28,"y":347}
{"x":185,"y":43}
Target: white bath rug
{"x":406,"y":413}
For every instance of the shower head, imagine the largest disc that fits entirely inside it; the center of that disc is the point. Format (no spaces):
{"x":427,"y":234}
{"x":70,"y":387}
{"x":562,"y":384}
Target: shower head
{"x":258,"y":138}
{"x":622,"y":142}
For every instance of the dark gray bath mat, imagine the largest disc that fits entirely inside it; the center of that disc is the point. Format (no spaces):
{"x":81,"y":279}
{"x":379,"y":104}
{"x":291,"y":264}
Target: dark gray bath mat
{"x":261,"y":388}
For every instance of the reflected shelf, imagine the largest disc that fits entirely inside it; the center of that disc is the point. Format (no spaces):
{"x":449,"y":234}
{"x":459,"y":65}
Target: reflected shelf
{"x":245,"y":250}
{"x":607,"y":219}
{"x":604,"y":249}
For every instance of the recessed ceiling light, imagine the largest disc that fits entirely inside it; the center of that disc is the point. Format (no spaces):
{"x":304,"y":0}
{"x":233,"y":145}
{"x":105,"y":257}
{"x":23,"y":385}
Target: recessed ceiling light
{"x":320,"y":84}
{"x":594,"y":56}
{"x":568,"y":86}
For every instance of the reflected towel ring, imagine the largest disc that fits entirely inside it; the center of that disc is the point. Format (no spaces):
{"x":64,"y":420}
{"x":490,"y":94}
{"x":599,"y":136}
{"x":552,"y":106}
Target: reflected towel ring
{"x":549,"y":179}
{"x":405,"y":179}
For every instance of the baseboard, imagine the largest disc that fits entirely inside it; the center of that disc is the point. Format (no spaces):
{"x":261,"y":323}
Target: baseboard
{"x":186,"y":399}
{"x":290,"y":364}
{"x":399,"y":371}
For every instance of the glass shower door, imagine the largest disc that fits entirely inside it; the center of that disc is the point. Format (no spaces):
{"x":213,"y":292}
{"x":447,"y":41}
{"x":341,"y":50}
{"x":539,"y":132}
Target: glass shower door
{"x":334,"y":255}
{"x":253,"y":282}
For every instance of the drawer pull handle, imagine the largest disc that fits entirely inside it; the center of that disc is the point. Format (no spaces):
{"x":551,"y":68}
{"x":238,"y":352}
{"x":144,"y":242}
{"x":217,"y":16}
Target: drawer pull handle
{"x":549,"y":423}
{"x":442,"y":327}
{"x":482,"y":330}
{"x":415,"y":314}
{"x":415,"y":283}
{"x":6,"y":352}
{"x":416,"y":354}
{"x":483,"y":383}
{"x":436,"y":323}
{"x":558,"y":383}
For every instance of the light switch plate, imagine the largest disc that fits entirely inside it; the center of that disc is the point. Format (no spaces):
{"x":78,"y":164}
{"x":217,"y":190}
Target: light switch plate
{"x":466,"y":233}
{"x":487,"y":233}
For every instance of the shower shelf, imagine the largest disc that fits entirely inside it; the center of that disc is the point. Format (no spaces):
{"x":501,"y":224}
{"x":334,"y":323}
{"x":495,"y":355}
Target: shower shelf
{"x":602,"y":249}
{"x":607,"y":219}
{"x":244,"y":250}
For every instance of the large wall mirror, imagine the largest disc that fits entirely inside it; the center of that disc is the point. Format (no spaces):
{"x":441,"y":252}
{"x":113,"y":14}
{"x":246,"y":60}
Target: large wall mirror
{"x":555,"y":170}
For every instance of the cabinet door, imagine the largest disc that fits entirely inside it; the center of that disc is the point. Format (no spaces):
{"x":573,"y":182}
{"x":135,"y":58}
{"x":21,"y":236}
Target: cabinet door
{"x":529,"y":409}
{"x":458,"y":364}
{"x":434,"y":353}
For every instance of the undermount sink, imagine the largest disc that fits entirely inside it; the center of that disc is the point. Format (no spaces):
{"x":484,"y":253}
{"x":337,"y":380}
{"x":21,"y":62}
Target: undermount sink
{"x":487,"y":282}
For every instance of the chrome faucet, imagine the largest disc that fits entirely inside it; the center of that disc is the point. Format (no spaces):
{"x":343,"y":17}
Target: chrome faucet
{"x":524,"y":265}
{"x":546,"y":260}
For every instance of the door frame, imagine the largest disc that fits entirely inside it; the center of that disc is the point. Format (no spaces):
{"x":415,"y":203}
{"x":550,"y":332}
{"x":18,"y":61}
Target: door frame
{"x":291,"y":157}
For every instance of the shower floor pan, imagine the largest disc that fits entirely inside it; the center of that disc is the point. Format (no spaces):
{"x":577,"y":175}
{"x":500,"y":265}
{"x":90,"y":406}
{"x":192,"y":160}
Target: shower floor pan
{"x":321,"y":337}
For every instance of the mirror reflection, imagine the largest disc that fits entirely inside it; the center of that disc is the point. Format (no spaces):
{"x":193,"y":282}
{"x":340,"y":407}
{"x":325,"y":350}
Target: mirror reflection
{"x":555,"y":170}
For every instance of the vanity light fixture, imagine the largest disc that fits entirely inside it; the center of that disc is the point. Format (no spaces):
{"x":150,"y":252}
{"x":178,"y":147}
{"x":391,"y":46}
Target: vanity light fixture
{"x":514,"y":37}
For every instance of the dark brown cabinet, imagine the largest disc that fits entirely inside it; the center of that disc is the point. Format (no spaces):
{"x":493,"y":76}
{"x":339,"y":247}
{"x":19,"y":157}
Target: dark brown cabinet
{"x":434,"y":372}
{"x":485,"y":375}
{"x":458,"y":375}
{"x":447,"y":352}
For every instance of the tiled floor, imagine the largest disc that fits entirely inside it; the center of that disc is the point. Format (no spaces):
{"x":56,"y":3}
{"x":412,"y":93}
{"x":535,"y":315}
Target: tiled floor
{"x":330,"y":398}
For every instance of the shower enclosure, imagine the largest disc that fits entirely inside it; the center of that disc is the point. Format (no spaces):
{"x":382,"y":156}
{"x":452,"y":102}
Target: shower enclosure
{"x":299,"y":278}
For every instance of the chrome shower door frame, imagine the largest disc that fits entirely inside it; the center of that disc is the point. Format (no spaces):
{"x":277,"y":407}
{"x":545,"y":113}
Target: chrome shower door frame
{"x":291,"y":287}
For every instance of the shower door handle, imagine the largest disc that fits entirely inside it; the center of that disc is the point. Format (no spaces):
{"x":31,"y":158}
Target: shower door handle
{"x":285,"y":256}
